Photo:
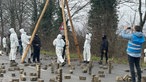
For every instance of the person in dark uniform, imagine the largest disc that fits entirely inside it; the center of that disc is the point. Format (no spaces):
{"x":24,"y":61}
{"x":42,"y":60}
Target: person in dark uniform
{"x":64,"y":48}
{"x":36,"y":48}
{"x":20,"y":46}
{"x":104,"y":49}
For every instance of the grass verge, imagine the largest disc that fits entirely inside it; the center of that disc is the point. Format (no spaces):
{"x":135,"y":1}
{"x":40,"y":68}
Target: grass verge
{"x":118,"y":60}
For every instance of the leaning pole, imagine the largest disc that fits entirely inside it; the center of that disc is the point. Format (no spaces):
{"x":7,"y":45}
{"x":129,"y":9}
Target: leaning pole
{"x":65,"y":32}
{"x":74,"y":33}
{"x":34,"y":32}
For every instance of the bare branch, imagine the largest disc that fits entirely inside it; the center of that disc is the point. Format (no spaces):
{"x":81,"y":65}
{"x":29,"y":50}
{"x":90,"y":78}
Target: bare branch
{"x":80,"y":9}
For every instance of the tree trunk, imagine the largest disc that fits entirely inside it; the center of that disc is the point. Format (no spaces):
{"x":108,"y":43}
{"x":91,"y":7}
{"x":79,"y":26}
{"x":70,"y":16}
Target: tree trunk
{"x":142,"y":20}
{"x":35,"y":11}
{"x":2,"y":24}
{"x":12,"y":13}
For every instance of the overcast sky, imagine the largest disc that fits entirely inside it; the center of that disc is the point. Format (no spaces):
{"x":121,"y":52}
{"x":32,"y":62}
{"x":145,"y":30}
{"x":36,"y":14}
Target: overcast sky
{"x":127,"y":12}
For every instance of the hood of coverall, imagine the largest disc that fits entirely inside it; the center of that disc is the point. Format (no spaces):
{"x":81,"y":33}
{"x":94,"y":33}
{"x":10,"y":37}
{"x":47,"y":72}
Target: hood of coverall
{"x":11,"y":30}
{"x":22,"y":31}
{"x":90,"y":35}
{"x":59,"y":36}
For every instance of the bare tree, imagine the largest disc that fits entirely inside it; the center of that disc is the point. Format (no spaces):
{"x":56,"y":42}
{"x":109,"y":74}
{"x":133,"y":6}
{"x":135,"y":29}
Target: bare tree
{"x":12,"y":11}
{"x":140,"y":4}
{"x":20,"y":12}
{"x":142,"y":15}
{"x":1,"y":16}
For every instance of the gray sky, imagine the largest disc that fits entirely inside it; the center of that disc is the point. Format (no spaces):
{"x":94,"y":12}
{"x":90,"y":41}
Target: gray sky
{"x":128,"y":12}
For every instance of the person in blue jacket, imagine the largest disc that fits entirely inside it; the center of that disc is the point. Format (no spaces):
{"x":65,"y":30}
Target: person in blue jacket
{"x":134,"y":48}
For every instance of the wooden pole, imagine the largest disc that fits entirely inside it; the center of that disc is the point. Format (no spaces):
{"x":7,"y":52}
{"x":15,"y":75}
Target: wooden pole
{"x":65,"y":33}
{"x":34,"y":32}
{"x":74,"y":33}
{"x":110,"y":67}
{"x":38,"y":70}
{"x":60,"y":75}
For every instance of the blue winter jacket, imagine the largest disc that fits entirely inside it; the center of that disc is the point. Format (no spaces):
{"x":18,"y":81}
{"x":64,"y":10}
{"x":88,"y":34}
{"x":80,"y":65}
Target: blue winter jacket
{"x":134,"y":45}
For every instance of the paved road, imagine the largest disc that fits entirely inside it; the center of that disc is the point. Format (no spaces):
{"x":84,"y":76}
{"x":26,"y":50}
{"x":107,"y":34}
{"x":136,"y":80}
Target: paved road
{"x":46,"y":75}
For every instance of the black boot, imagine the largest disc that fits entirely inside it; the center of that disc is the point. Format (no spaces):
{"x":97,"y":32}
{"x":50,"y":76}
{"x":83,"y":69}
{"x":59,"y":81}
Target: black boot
{"x":11,"y":61}
{"x":29,"y":61}
{"x":87,"y":62}
{"x":84,"y":61}
{"x":63,"y":64}
{"x":100,"y":62}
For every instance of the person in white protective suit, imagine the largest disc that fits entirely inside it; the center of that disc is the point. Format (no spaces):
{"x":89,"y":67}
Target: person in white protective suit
{"x":87,"y":47}
{"x":25,"y":41}
{"x":59,"y":44}
{"x":4,"y":44}
{"x":13,"y":45}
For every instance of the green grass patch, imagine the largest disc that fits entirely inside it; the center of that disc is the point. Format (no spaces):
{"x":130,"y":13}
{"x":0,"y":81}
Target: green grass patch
{"x":95,"y":58}
{"x":120,"y":60}
{"x":47,"y":53}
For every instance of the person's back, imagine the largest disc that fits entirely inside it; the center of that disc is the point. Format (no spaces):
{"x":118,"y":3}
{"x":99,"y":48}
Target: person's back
{"x":134,"y":48}
{"x":104,"y":49}
{"x":104,"y":44}
{"x":36,"y":41}
{"x":135,"y":42}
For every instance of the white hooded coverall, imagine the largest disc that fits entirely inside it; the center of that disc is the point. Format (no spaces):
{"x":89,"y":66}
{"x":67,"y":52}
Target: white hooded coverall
{"x":59,"y":44}
{"x":4,"y":42}
{"x":87,"y":47}
{"x":25,"y":41}
{"x":13,"y":44}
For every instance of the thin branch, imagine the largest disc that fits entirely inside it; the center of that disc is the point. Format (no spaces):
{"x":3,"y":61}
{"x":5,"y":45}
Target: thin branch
{"x":80,"y":9}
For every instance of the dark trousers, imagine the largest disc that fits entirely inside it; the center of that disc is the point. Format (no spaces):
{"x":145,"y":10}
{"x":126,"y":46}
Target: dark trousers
{"x":20,"y":50}
{"x":4,"y":49}
{"x":134,"y":62}
{"x":36,"y":53}
{"x":63,"y":53}
{"x":104,"y":53}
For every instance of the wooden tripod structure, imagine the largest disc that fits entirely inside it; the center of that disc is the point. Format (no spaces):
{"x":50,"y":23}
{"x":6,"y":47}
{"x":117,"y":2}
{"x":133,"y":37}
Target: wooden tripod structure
{"x":65,"y":31}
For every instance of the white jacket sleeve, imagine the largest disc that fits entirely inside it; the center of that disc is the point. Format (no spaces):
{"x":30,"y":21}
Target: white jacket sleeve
{"x":54,"y":42}
{"x":24,"y":39}
{"x":28,"y":36}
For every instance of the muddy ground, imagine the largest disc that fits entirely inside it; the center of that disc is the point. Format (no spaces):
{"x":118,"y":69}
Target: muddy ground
{"x":46,"y":71}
